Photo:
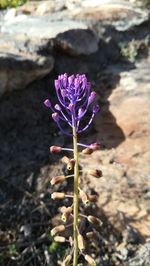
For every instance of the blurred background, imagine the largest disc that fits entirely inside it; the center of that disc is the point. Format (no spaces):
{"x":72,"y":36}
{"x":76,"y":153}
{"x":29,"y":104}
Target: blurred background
{"x":109,"y":41}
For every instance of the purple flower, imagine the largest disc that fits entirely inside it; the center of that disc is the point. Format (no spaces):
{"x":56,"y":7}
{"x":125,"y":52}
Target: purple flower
{"x":75,"y":97}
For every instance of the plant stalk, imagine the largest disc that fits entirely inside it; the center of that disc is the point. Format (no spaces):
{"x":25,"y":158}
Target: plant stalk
{"x":76,"y":198}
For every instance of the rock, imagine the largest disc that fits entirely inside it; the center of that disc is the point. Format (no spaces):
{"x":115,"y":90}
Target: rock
{"x":121,"y":14}
{"x":40,"y":27}
{"x":123,"y":127}
{"x":18,"y":70}
{"x":142,"y":257}
{"x":73,"y":42}
{"x":38,"y":8}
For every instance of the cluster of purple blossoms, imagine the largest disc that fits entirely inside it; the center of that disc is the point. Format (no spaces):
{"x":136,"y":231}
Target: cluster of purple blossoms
{"x":75,"y":98}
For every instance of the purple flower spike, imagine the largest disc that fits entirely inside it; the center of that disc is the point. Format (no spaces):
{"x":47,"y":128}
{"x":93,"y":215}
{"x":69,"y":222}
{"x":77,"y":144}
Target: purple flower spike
{"x":75,"y":98}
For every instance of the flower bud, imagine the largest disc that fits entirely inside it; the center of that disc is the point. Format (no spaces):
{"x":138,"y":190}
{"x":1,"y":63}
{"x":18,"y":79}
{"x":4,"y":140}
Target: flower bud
{"x":57,"y":180}
{"x":91,"y":97}
{"x":83,"y":197}
{"x":70,"y":164}
{"x":87,"y":151}
{"x":47,"y":103}
{"x":58,"y":195}
{"x":55,"y":149}
{"x":67,"y":260}
{"x":92,"y":198}
{"x":96,"y":109}
{"x":71,"y":106}
{"x":93,"y":220}
{"x":81,"y":243}
{"x":57,"y":107}
{"x":95,"y":146}
{"x":96,"y":173}
{"x":81,"y":112}
{"x":55,"y":117}
{"x":60,"y":239}
{"x":57,"y":84}
{"x":57,"y":229}
{"x":65,"y":160}
{"x":90,"y":260}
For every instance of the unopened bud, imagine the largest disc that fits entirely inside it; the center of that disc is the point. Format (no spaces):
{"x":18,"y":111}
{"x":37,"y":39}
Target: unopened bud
{"x":55,"y":149}
{"x":55,"y":117}
{"x":83,"y":197}
{"x":65,"y":160}
{"x":57,"y":229}
{"x":60,"y":239}
{"x":95,"y":146}
{"x":92,"y":198}
{"x":87,"y":151}
{"x":57,"y":195}
{"x":93,"y":220}
{"x":70,"y":164}
{"x":96,"y":173}
{"x":90,"y":260}
{"x":57,"y":180}
{"x":81,"y":243}
{"x":67,"y":260}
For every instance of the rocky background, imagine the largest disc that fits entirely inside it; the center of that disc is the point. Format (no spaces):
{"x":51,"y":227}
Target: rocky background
{"x":109,"y":41}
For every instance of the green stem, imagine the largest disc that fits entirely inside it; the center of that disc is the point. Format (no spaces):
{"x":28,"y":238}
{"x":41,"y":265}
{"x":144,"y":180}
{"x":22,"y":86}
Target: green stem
{"x":76,"y":198}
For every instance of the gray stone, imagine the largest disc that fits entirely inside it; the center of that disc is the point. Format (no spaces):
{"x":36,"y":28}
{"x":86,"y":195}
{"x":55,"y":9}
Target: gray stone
{"x":18,"y":70}
{"x":77,"y":42}
{"x":41,"y":27}
{"x":142,"y":257}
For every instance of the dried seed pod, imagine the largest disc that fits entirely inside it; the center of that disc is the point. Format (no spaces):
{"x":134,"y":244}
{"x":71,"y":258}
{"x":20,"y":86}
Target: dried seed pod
{"x":92,"y":198}
{"x":90,"y":260}
{"x":65,"y":160}
{"x":91,"y":235}
{"x":96,"y":173}
{"x":65,"y":213}
{"x":81,"y":243}
{"x":66,"y":209}
{"x":70,"y":164}
{"x":95,"y":146}
{"x":87,"y":151}
{"x":57,"y":180}
{"x":60,"y":239}
{"x":57,"y":229}
{"x":67,"y":260}
{"x":93,"y":220}
{"x":55,"y":149}
{"x":83,"y":197}
{"x":58,"y":195}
